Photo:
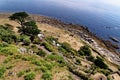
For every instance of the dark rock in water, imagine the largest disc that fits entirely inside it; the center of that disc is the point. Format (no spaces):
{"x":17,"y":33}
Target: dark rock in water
{"x":114,"y":39}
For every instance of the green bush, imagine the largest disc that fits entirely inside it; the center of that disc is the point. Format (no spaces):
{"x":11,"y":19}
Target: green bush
{"x":48,"y":46}
{"x":8,"y":59}
{"x":2,"y":71}
{"x":26,"y":41}
{"x":91,"y":58}
{"x":36,"y":41}
{"x":48,"y":65}
{"x":81,"y":52}
{"x":47,"y":76}
{"x":41,"y":53}
{"x":19,"y":74}
{"x":78,"y":61}
{"x":100,"y":63}
{"x":57,"y":58}
{"x":29,"y":76}
{"x":50,"y":39}
{"x":28,"y":58}
{"x":66,"y":46}
{"x":9,"y":38}
{"x":22,"y":37}
{"x":84,"y":50}
{"x":7,"y":35}
{"x":104,"y":71}
{"x":81,"y":75}
{"x":34,"y":48}
{"x":61,"y":49}
{"x":43,"y":68}
{"x":9,"y":50}
{"x":4,"y":44}
{"x":119,"y":68}
{"x":36,"y":62}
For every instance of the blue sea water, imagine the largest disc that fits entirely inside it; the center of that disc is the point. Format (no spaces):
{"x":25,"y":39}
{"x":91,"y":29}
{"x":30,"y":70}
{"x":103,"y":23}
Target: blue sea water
{"x":101,"y":16}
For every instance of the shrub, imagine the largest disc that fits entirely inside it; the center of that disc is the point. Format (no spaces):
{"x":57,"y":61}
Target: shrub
{"x":78,"y":61}
{"x":61,"y":49}
{"x":36,"y":41}
{"x":100,"y":63}
{"x":26,"y":41}
{"x":47,"y":76}
{"x":81,"y":75}
{"x":104,"y":71}
{"x":119,"y":68}
{"x":2,"y":71}
{"x":48,"y":46}
{"x":9,"y":38}
{"x":41,"y":53}
{"x":22,"y":37}
{"x":19,"y":74}
{"x":91,"y":58}
{"x":29,"y":76}
{"x":36,"y":62}
{"x":43,"y":68}
{"x":84,"y":50}
{"x":66,"y":46}
{"x":28,"y":58}
{"x":8,"y":50}
{"x":34,"y":48}
{"x":50,"y":39}
{"x":7,"y":35}
{"x":48,"y":65}
{"x":3,"y":45}
{"x":57,"y":58}
{"x":81,"y":52}
{"x":7,"y":59}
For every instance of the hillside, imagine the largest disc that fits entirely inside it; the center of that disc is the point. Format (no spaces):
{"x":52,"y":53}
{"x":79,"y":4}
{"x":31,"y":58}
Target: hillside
{"x":60,"y":51}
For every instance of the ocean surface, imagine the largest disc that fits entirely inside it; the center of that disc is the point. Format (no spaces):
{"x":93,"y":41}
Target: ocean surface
{"x":101,"y":16}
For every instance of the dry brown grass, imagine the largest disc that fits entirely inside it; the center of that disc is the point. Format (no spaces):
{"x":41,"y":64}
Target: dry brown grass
{"x":62,"y":35}
{"x":2,"y":58}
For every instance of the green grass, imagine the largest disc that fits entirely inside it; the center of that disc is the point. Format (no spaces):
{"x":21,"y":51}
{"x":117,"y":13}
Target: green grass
{"x":48,"y":46}
{"x":8,"y":50}
{"x":2,"y":71}
{"x":29,"y":76}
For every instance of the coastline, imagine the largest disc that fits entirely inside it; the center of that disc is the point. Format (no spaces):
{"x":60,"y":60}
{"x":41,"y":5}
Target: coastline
{"x":75,"y":28}
{"x":95,"y":42}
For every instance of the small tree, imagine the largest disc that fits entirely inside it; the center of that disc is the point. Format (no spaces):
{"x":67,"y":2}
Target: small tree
{"x":19,"y":17}
{"x":100,"y":63}
{"x":84,"y":50}
{"x":30,"y":29}
{"x":27,"y":27}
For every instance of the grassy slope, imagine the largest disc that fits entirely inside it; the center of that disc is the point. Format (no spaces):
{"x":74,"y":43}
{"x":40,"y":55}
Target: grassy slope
{"x":59,"y":72}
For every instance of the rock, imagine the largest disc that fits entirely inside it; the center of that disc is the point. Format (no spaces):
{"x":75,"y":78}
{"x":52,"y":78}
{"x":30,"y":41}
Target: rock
{"x":41,"y":36}
{"x":54,"y":43}
{"x":22,"y":50}
{"x":58,"y":45}
{"x":10,"y":73}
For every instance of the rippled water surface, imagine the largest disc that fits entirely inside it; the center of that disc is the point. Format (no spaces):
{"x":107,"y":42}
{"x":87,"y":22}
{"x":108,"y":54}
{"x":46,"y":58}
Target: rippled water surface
{"x":101,"y":16}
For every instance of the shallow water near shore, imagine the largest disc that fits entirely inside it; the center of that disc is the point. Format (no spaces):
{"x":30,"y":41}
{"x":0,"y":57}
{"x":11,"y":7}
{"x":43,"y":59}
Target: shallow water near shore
{"x":101,"y":17}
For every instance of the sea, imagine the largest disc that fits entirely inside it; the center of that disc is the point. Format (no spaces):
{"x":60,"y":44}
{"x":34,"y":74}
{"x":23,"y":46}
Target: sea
{"x":101,"y":16}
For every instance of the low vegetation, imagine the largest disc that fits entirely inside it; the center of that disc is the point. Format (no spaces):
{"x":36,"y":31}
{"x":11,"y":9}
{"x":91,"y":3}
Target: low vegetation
{"x":100,"y":63}
{"x":24,"y":55}
{"x":29,"y":76}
